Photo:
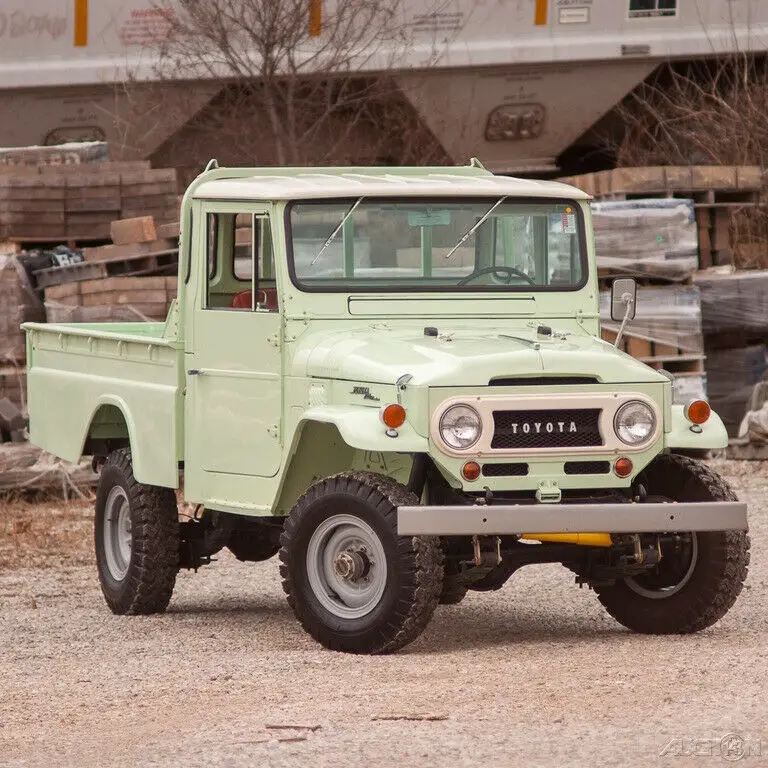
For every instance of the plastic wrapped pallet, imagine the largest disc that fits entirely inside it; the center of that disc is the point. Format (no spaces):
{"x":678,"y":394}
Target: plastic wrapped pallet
{"x":734,"y":304}
{"x":731,"y":376}
{"x":666,"y":333}
{"x":667,"y":319}
{"x":18,"y":304}
{"x":654,"y":237}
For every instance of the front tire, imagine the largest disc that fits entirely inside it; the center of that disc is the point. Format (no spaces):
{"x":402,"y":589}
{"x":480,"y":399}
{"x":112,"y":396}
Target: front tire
{"x":353,"y":583}
{"x":137,"y":539}
{"x":697,"y":582}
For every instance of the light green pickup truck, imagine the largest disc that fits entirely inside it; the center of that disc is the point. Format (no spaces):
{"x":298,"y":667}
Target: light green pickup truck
{"x":395,"y":379}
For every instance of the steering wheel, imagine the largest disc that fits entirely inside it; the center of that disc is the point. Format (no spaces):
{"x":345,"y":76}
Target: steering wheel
{"x":511,"y":272}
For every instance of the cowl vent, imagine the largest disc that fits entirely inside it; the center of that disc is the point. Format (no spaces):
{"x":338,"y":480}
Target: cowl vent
{"x":542,"y":381}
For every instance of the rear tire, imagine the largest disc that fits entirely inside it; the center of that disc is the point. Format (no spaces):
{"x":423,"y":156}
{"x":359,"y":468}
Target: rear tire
{"x":353,"y":583}
{"x":699,"y":587}
{"x":137,"y":539}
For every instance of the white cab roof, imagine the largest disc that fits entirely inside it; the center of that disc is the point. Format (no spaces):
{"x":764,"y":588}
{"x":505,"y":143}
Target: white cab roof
{"x":314,"y":185}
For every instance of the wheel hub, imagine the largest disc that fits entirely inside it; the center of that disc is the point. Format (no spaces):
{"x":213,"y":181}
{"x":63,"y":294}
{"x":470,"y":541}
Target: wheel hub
{"x":346,"y":566}
{"x":118,"y":538}
{"x":351,"y":566}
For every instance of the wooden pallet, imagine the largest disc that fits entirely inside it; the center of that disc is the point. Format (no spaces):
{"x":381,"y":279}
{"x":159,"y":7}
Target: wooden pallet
{"x":163,"y":262}
{"x":710,"y":184}
{"x":677,"y":364}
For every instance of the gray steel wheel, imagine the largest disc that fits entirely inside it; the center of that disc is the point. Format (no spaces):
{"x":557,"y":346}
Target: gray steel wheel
{"x":136,"y":535}
{"x":670,"y":580}
{"x":346,"y":566}
{"x":354,"y":583}
{"x":118,"y":539}
{"x":698,"y":577}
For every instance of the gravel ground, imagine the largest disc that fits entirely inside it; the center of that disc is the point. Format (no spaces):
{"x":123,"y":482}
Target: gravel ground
{"x":536,"y":674}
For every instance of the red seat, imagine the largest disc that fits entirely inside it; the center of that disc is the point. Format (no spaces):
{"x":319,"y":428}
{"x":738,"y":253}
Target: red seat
{"x":242,"y":300}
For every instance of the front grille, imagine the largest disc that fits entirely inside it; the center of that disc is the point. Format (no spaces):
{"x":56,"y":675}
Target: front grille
{"x":573,"y":428}
{"x":587,"y":467}
{"x":505,"y":470}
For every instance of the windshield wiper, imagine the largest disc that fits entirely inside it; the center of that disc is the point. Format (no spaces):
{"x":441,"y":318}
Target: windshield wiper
{"x":471,"y":231}
{"x":336,"y":231}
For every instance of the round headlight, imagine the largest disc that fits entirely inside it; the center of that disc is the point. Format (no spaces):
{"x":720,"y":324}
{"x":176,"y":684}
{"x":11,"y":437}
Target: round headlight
{"x":634,"y":423}
{"x":460,"y":427}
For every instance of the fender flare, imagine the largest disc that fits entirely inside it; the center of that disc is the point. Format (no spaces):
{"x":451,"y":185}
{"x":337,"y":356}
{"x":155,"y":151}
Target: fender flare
{"x":713,"y":434}
{"x":361,"y":428}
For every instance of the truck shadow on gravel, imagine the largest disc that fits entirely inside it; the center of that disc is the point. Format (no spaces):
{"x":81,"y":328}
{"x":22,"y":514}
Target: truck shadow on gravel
{"x":269,"y":622}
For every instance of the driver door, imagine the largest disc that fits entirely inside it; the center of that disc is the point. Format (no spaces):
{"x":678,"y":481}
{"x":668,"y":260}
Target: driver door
{"x":234,"y":401}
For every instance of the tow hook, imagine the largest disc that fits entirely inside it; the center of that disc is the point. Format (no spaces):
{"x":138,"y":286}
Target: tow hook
{"x":548,"y":493}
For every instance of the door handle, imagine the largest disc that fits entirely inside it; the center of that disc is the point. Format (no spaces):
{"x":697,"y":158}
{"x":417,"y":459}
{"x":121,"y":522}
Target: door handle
{"x":194,"y":372}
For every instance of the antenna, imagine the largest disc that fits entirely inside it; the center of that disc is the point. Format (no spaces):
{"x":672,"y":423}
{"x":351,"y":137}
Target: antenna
{"x":475,"y":163}
{"x":213,"y":163}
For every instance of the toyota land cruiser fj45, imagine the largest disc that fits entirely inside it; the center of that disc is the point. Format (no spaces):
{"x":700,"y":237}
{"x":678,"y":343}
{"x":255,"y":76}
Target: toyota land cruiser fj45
{"x":394,"y":378}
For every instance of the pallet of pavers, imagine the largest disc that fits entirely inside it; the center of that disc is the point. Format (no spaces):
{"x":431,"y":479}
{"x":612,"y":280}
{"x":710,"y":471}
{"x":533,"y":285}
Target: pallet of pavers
{"x":13,"y":383}
{"x":114,"y":299}
{"x":80,"y":202}
{"x":19,"y":303}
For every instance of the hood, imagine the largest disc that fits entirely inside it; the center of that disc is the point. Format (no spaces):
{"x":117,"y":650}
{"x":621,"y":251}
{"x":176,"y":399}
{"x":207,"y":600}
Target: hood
{"x":463,"y":358}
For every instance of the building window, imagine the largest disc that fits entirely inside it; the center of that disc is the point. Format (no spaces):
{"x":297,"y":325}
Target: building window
{"x":643,"y":9}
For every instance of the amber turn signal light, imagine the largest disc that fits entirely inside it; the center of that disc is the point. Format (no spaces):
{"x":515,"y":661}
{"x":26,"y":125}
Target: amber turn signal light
{"x":393,"y":415}
{"x":471,"y":471}
{"x":623,"y":467}
{"x":698,"y":411}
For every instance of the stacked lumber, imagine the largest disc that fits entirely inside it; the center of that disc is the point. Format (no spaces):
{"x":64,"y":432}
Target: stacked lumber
{"x":665,"y":334}
{"x":79,"y":202}
{"x":716,"y":191}
{"x":114,"y":299}
{"x":27,"y":468}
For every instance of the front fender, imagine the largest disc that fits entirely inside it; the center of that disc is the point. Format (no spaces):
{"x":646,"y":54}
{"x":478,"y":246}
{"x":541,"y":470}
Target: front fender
{"x":713,"y":433}
{"x":362,"y":429}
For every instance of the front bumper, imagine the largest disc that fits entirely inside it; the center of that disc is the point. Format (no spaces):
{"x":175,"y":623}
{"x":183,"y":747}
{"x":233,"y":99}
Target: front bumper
{"x":571,"y":518}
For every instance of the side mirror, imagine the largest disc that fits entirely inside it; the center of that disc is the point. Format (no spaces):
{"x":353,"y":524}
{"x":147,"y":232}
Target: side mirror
{"x":623,"y":299}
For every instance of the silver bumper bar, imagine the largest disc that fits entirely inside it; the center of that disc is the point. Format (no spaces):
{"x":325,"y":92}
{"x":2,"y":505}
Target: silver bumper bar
{"x":571,"y":518}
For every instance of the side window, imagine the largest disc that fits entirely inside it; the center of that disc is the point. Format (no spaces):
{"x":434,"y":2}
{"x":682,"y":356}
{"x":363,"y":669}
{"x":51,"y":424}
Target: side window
{"x":235,"y":243}
{"x":643,"y":9}
{"x":253,"y":235}
{"x":212,"y":245}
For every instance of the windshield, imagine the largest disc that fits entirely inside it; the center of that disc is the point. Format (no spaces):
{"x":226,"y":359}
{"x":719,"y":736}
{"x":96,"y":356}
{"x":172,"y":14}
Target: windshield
{"x":445,"y":244}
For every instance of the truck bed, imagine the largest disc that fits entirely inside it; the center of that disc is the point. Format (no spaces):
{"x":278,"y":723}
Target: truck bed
{"x":96,"y":384}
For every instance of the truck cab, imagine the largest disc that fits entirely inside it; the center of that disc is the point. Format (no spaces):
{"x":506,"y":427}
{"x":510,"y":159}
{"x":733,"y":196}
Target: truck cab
{"x":395,"y":378}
